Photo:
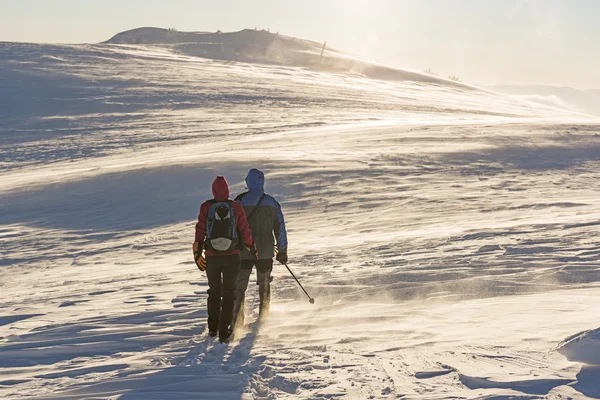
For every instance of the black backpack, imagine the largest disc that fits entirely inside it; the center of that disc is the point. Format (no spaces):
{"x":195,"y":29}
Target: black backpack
{"x":221,"y":229}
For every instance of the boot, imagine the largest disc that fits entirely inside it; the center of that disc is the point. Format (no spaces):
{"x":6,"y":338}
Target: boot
{"x":225,"y":336}
{"x":264,"y":292}
{"x":239,"y":319}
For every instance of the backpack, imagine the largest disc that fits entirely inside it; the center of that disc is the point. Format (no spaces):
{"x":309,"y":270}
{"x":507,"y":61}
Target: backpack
{"x":221,"y":229}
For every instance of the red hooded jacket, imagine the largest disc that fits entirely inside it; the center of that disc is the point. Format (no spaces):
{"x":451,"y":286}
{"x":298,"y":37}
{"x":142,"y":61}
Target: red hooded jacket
{"x":220,"y":190}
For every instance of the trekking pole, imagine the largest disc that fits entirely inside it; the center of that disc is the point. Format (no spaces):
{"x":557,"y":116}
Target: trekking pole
{"x":310,"y":299}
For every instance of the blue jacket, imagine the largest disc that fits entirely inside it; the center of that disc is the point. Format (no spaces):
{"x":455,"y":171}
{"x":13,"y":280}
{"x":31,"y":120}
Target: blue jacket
{"x":267,"y":223}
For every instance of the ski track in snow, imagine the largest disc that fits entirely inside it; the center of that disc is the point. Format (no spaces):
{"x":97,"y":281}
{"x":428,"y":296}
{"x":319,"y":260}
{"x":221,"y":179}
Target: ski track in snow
{"x":449,"y":235}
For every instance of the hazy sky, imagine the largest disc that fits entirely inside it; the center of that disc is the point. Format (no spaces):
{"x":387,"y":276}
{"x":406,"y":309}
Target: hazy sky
{"x":481,"y":41}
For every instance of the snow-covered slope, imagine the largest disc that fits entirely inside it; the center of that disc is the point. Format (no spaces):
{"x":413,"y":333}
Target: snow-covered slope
{"x":448,"y":233}
{"x":264,"y":47}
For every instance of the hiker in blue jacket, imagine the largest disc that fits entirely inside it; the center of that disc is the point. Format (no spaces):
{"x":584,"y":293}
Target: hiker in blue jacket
{"x":268,"y":229}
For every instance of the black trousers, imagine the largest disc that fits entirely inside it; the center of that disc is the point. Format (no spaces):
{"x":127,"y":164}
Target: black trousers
{"x":222,"y":272}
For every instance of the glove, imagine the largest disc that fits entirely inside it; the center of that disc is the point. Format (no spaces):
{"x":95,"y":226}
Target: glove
{"x":198,"y":258}
{"x":201,"y":263}
{"x":282,"y":256}
{"x":253,"y":251}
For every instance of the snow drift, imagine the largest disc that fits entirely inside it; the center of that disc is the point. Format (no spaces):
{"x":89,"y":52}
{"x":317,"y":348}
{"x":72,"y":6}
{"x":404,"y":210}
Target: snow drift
{"x":583,"y":347}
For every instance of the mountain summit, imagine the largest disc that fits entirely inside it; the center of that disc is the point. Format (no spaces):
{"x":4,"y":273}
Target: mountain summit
{"x":262,"y":46}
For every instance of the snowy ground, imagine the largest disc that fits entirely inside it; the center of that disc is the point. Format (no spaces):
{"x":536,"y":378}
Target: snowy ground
{"x":449,"y":235}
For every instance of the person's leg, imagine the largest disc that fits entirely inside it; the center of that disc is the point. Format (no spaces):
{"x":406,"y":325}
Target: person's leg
{"x":240,"y":292}
{"x":263,"y":279}
{"x":213,"y":273}
{"x":230,"y":272}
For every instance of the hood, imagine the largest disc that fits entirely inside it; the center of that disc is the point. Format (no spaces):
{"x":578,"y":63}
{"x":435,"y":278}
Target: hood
{"x":255,"y":181}
{"x":220,"y":188}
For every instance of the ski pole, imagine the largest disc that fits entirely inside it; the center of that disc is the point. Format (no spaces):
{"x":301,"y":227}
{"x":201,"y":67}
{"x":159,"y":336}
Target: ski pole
{"x":310,"y":299}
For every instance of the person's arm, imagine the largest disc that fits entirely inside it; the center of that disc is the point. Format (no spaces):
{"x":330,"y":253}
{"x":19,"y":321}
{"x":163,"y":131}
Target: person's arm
{"x":201,"y":224}
{"x":280,"y":236}
{"x":279,"y":229}
{"x":243,"y":226}
{"x":198,"y":245}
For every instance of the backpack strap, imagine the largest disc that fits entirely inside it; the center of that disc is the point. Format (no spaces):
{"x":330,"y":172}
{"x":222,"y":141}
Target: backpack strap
{"x":256,"y":207}
{"x":213,"y":201}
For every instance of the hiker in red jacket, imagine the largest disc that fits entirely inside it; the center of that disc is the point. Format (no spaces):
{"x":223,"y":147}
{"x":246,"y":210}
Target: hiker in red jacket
{"x":221,"y":226}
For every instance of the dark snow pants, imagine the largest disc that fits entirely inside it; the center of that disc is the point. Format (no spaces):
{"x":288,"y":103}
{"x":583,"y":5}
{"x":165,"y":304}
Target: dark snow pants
{"x":263,"y":280}
{"x":222,"y":272}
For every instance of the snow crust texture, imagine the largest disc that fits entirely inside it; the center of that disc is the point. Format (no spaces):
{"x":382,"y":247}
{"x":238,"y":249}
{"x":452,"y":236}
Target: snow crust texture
{"x":449,"y":234}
